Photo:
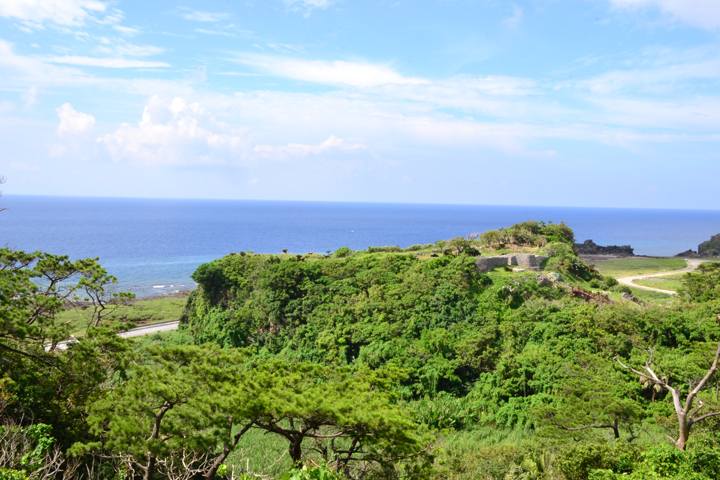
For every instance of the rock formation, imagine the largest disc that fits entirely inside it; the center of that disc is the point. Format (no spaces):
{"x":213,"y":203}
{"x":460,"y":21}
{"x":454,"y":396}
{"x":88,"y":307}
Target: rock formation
{"x":710,"y":248}
{"x":588,"y":247}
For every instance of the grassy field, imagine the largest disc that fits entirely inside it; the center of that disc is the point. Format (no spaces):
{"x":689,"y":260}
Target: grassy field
{"x":670,"y":282}
{"x":141,"y":311}
{"x":625,"y":267}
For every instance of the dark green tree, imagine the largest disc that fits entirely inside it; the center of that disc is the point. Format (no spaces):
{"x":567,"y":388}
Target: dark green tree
{"x":593,"y":396}
{"x":702,"y":285}
{"x":350,"y":419}
{"x":173,"y":413}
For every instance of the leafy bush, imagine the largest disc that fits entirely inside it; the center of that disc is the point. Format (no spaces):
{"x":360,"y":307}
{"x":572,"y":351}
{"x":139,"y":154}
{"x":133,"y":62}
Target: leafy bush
{"x":444,"y":411}
{"x":609,"y":282}
{"x":576,"y":462}
{"x":390,"y":249}
{"x":211,"y":278}
{"x":703,"y":284}
{"x":305,"y":473}
{"x":342,"y":252}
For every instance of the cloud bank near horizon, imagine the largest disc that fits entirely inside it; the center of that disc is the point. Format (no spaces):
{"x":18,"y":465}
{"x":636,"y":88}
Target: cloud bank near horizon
{"x":323,"y":106}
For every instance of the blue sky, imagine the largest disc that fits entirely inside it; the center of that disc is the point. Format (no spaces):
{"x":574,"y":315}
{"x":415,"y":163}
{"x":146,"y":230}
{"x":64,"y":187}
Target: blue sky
{"x":607,"y":103}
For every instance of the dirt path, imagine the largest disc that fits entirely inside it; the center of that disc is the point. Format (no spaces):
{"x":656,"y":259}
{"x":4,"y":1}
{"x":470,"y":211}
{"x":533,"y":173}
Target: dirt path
{"x":692,"y":264}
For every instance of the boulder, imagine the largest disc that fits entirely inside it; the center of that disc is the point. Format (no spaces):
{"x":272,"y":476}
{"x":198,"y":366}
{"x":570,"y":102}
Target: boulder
{"x":555,"y":277}
{"x":543,"y":280}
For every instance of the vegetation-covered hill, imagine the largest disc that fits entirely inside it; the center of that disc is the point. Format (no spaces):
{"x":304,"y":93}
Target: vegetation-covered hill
{"x":382,"y":363}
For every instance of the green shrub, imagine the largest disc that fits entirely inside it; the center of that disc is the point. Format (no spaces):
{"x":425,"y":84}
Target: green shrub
{"x":211,"y":277}
{"x":703,"y":284}
{"x":390,"y":249}
{"x":576,"y":462}
{"x":305,"y":473}
{"x":342,"y":252}
{"x":444,"y":411}
{"x":8,"y":474}
{"x":621,"y":289}
{"x":609,"y":282}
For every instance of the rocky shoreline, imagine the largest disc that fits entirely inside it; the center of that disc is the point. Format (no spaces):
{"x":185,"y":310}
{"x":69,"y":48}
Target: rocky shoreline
{"x":588,"y":247}
{"x":708,"y":249}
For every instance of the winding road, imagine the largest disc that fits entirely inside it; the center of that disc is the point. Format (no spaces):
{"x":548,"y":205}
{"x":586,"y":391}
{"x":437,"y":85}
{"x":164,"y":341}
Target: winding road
{"x":135,"y":332}
{"x":691,"y":265}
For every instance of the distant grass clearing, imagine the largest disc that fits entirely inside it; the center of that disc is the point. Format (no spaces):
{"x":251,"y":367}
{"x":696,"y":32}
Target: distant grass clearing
{"x":142,"y":311}
{"x":625,"y":267}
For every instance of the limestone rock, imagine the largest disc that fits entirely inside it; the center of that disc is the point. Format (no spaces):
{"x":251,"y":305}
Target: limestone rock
{"x":588,"y":247}
{"x":708,"y":249}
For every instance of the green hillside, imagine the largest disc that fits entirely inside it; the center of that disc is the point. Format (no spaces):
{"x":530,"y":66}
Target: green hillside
{"x":389,"y":363}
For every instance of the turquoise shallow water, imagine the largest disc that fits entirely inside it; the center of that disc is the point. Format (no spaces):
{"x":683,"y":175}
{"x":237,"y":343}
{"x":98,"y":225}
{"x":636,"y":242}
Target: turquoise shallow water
{"x":153,"y":245}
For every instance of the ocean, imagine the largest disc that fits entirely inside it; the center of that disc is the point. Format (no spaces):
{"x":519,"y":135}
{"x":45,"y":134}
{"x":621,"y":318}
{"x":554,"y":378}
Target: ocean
{"x":153,"y":245}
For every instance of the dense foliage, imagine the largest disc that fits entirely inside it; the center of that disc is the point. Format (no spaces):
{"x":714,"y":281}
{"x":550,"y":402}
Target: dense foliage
{"x":383,"y":363}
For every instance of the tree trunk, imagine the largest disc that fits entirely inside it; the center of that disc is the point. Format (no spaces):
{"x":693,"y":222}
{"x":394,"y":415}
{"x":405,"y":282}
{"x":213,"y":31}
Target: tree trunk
{"x":295,"y":449}
{"x":227,"y":448}
{"x":150,"y":468}
{"x":616,"y":430}
{"x":684,"y":433}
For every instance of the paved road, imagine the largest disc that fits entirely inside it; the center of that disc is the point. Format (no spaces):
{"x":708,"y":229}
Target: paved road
{"x":150,"y":329}
{"x":692,"y":264}
{"x":135,"y":332}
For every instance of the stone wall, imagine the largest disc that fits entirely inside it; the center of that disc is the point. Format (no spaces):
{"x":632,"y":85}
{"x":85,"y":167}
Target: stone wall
{"x":528,"y":261}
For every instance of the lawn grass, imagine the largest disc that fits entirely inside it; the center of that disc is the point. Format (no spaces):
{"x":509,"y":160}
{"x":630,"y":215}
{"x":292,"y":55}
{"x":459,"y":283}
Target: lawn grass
{"x":625,"y":267}
{"x":156,"y":309}
{"x":669,"y":282}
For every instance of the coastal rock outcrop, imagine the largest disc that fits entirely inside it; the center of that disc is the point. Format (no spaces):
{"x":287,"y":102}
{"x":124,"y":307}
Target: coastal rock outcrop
{"x":527,"y":261}
{"x":588,"y":247}
{"x":708,"y":249}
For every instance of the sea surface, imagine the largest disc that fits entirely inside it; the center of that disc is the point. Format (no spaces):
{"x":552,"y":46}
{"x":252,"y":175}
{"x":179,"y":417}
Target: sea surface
{"x":153,"y":245}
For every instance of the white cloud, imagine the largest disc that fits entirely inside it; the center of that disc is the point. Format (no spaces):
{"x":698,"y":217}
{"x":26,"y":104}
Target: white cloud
{"x":307,"y":5}
{"x":197,"y":16}
{"x":29,"y":95}
{"x":61,"y":12}
{"x":514,"y":21}
{"x":698,"y":13}
{"x":106,"y":62}
{"x":215,"y":32}
{"x":302,"y":150}
{"x":333,"y":73}
{"x":126,"y":30}
{"x":132,"y":50}
{"x":73,"y":122}
{"x":656,"y":70}
{"x":175,"y":132}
